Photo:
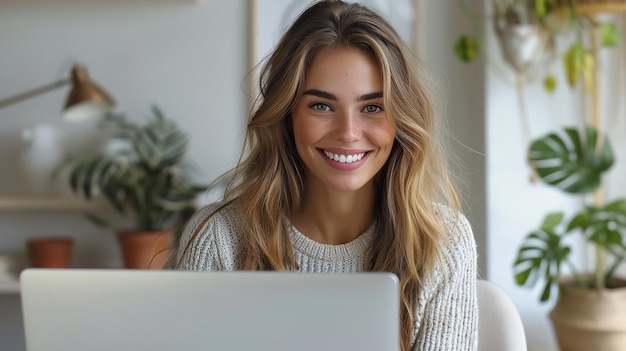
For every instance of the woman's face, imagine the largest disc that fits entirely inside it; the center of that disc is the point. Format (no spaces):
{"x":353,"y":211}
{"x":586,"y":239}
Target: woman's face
{"x":340,"y":126}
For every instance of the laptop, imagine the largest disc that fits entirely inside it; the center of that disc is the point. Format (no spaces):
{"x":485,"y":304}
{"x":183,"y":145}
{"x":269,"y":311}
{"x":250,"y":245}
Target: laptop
{"x":165,"y":310}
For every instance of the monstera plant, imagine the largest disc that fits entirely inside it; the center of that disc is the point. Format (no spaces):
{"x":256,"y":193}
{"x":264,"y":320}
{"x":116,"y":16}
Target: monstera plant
{"x":142,"y":171}
{"x":574,"y":162}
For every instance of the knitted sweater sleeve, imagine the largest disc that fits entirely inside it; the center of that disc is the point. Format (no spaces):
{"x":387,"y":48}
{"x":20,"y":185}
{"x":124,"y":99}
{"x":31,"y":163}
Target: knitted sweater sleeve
{"x":198,"y":249}
{"x":450,"y":320}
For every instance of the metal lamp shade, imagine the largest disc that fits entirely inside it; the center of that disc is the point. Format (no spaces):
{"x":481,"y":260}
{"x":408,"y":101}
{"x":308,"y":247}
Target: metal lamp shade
{"x":86,"y":100}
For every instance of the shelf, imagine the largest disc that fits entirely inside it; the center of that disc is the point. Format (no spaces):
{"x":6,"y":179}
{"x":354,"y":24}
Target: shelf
{"x":49,"y":203}
{"x":9,"y":285}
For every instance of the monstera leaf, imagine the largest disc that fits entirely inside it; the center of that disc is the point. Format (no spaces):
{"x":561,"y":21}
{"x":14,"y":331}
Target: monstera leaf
{"x":541,"y":255}
{"x":606,"y":228}
{"x":572,"y":161}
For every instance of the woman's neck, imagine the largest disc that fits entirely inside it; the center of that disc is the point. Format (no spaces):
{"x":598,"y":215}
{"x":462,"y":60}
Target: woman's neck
{"x":331,"y":217}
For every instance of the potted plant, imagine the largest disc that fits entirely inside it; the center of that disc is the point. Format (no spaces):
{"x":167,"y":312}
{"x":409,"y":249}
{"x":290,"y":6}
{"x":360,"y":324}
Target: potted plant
{"x":572,"y":160}
{"x":586,"y":315}
{"x":141,"y":170}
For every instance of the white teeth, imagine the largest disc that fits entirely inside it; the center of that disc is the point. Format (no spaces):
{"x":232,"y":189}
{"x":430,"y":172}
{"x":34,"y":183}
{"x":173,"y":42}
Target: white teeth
{"x":344,"y":158}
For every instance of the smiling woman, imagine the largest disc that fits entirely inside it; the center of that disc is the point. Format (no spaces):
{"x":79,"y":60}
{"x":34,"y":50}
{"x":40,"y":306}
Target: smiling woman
{"x":342,"y":172}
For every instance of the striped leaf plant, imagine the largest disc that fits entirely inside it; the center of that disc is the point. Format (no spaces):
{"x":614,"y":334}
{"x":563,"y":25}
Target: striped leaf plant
{"x":573,"y":161}
{"x":142,"y":171}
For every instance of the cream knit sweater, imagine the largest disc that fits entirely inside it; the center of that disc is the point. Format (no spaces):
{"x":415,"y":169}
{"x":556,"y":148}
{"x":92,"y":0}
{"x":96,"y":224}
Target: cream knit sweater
{"x":447,"y":312}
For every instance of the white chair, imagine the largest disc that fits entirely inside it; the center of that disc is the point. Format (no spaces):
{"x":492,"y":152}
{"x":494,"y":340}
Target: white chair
{"x":500,"y":325}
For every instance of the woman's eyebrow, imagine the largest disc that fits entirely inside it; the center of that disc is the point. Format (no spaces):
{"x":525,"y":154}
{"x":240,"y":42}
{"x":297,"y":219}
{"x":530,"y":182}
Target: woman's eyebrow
{"x":371,"y":96}
{"x":321,"y":94}
{"x":329,"y":96}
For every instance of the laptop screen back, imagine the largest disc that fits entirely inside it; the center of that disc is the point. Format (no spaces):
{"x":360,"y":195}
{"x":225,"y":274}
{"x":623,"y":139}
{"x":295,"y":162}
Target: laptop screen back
{"x":77,"y":310}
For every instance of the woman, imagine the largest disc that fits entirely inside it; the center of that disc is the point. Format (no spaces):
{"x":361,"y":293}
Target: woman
{"x":342,"y":173}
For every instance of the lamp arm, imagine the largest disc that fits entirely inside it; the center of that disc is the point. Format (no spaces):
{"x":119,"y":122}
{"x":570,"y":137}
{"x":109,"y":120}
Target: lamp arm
{"x":34,"y":92}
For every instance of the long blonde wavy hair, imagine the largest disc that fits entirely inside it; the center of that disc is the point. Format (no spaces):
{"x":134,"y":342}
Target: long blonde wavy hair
{"x":267,"y":184}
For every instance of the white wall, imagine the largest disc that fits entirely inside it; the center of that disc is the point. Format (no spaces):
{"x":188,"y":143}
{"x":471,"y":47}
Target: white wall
{"x":462,"y":107}
{"x":189,"y":57}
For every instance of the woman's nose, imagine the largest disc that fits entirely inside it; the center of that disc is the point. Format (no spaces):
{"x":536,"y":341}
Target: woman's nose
{"x":348,"y":128}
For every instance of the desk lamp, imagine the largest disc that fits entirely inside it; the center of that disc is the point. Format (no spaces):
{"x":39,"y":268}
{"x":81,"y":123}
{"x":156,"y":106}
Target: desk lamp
{"x":85,"y":101}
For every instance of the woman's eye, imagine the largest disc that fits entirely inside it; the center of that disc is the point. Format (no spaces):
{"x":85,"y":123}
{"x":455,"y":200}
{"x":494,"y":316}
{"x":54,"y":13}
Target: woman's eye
{"x":320,"y":107}
{"x":373,"y":109}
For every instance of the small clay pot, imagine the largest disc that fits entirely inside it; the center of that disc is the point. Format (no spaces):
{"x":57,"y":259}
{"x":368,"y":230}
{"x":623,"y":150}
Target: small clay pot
{"x":145,"y":250}
{"x":50,"y":252}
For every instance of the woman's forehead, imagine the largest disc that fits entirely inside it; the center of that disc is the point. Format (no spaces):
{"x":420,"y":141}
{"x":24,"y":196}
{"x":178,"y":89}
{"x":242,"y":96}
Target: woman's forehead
{"x":343,"y":68}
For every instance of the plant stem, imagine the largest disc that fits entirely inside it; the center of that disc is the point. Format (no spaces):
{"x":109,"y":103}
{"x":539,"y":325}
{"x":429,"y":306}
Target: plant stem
{"x":611,"y":270}
{"x":582,"y":282}
{"x":598,"y":196}
{"x":524,"y":122}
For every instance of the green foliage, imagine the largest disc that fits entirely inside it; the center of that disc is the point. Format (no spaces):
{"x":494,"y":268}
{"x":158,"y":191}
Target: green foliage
{"x":577,"y":61}
{"x":549,"y":83}
{"x":467,"y":48}
{"x":543,"y":8}
{"x":142,"y":169}
{"x":554,"y":22}
{"x":544,"y":250}
{"x":570,"y":161}
{"x":573,"y":162}
{"x":541,"y":255}
{"x":611,"y":34}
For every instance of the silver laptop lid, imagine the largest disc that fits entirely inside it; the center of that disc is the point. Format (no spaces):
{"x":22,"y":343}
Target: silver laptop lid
{"x":79,"y":310}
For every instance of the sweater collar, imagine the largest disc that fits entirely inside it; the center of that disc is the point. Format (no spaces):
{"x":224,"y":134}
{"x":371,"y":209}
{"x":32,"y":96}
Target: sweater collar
{"x":354,"y":249}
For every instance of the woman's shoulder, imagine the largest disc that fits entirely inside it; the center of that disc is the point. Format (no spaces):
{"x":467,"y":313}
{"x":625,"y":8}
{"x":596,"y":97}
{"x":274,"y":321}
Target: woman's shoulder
{"x":453,"y":218}
{"x":461,"y":244}
{"x":213,"y":213}
{"x":211,"y":232}
{"x":216,"y":216}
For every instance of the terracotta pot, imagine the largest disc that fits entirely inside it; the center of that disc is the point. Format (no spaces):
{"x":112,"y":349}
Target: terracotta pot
{"x":145,"y":250}
{"x":585,"y":319}
{"x":50,"y":252}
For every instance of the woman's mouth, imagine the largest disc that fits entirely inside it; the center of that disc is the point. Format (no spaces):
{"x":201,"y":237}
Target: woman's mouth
{"x":341,"y":158}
